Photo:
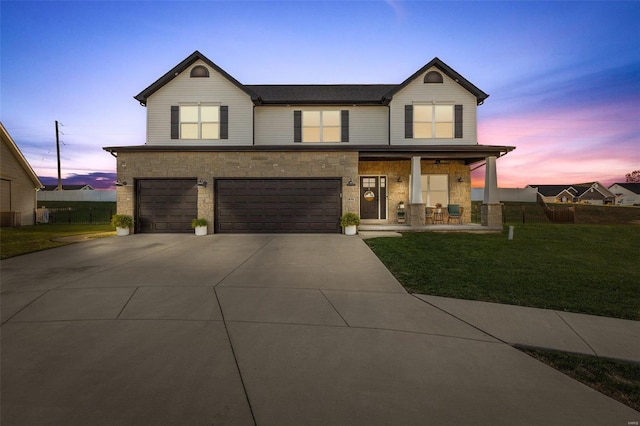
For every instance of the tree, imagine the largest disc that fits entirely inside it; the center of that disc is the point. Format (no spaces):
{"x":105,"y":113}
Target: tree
{"x":633,"y":177}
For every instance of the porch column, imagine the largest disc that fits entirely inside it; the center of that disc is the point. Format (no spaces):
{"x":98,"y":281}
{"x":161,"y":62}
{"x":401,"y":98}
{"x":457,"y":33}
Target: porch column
{"x":416,"y":205}
{"x":491,"y":213}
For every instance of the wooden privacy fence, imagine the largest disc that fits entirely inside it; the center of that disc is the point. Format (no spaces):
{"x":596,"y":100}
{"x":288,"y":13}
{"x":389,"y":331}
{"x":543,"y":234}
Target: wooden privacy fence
{"x":558,"y":215}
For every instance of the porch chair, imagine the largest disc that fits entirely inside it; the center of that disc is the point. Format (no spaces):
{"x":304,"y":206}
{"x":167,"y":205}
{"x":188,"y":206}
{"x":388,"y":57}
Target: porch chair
{"x":428,"y":215}
{"x":454,"y":213}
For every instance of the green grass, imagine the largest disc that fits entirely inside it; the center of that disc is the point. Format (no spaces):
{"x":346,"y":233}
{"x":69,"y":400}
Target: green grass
{"x":591,"y":269}
{"x":28,"y":239}
{"x":619,"y":380}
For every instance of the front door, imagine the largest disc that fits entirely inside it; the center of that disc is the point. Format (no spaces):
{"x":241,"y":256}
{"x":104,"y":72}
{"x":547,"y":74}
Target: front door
{"x":373,"y":197}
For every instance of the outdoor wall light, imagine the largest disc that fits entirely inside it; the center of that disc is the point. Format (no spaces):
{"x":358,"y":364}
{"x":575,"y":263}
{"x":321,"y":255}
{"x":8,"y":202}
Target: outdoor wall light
{"x":460,"y":180}
{"x":351,"y":182}
{"x":202,"y":183}
{"x":120,"y":183}
{"x":400,"y":179}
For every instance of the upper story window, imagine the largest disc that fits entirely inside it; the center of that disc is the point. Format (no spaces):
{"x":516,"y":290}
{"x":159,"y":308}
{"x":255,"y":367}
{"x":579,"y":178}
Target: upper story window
{"x":320,"y":126}
{"x":199,"y":71}
{"x":199,"y":122}
{"x":432,"y":121}
{"x":433,"y":77}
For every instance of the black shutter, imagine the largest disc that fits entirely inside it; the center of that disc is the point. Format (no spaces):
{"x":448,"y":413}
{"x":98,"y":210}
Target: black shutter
{"x":175,"y":122}
{"x":224,"y":122}
{"x":344,"y":125}
{"x":408,"y":121}
{"x":297,"y":126}
{"x":458,"y":121}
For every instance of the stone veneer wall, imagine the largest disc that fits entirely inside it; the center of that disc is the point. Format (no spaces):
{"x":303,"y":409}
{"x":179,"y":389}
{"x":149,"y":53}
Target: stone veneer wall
{"x":459,"y":192}
{"x":212,"y":165}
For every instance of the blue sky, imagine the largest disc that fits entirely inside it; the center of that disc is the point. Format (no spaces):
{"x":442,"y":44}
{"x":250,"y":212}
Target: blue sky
{"x":564,"y":77}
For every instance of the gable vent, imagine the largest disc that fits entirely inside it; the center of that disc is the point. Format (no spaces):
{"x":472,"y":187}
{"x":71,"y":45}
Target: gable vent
{"x":199,"y":71}
{"x":433,"y":77}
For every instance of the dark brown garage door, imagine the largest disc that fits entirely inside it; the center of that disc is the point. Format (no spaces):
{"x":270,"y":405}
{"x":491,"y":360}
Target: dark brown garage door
{"x":166,"y":205}
{"x":277,"y":205}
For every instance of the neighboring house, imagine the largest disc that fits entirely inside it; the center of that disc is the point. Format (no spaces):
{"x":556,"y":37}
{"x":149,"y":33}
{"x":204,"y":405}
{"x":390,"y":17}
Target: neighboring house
{"x":19,"y":184}
{"x":294,"y":158}
{"x":627,"y":193}
{"x":69,"y":188}
{"x":587,"y":193}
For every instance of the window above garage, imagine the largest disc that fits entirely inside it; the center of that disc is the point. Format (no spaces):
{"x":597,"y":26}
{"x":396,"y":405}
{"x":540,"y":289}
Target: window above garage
{"x":199,"y":121}
{"x":319,"y":126}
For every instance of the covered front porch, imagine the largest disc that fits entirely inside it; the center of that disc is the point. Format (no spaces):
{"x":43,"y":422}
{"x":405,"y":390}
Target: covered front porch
{"x":401,"y":186}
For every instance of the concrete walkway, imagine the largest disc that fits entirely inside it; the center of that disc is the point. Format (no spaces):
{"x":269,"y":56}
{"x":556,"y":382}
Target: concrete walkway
{"x":276,"y":330}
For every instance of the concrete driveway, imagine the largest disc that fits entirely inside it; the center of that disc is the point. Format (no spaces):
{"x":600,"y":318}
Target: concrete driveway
{"x":256,"y":329}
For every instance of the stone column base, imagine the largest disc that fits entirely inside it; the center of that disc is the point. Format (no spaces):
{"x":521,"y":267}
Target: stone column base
{"x":416,"y":214}
{"x":491,"y":215}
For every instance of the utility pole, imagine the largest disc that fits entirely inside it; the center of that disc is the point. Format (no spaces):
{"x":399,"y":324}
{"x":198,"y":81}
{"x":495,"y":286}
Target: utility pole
{"x":59,"y":188}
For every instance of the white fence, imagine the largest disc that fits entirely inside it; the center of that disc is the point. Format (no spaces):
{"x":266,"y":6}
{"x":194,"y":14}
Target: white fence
{"x":78,"y":195}
{"x":524,"y":195}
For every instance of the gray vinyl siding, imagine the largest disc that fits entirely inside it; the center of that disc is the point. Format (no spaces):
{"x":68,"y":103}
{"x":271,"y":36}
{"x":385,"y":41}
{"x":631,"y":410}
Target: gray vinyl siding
{"x":215,"y":89}
{"x":368,"y":125}
{"x":448,"y":92}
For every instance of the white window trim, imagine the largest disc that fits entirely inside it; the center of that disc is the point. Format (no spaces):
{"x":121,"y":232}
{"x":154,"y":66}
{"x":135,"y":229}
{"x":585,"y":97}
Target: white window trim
{"x":199,"y":122}
{"x":433,"y":119}
{"x":427,"y":191}
{"x":322,"y":126}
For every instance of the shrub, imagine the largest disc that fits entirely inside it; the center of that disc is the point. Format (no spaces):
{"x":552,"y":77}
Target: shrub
{"x":121,"y":221}
{"x":349,"y":219}
{"x":198,"y":222}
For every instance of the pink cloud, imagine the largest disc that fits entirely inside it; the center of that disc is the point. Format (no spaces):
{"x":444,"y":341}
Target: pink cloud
{"x":593,"y":143}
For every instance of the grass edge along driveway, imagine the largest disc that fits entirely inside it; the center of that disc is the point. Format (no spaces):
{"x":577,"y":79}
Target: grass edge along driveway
{"x":29,"y":239}
{"x":589,"y":269}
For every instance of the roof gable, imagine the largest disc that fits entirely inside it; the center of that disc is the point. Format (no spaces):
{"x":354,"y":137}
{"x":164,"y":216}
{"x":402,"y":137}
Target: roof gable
{"x":7,"y":139}
{"x":80,"y":187}
{"x":314,"y":94}
{"x":449,"y":72}
{"x":629,"y":186}
{"x":187,"y":62}
{"x":578,"y":189}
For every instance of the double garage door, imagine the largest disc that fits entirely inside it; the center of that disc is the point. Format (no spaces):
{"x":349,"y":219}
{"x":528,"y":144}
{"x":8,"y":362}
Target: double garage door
{"x":277,"y":205}
{"x":242,"y":205}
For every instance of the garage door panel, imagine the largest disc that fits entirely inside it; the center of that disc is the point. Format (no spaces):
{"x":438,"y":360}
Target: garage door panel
{"x":278,"y":205}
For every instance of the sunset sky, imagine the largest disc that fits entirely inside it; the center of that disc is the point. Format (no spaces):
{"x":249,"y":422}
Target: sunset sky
{"x":563,"y":77}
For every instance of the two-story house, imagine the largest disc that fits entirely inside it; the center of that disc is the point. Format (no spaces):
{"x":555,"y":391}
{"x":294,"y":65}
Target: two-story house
{"x":294,"y":158}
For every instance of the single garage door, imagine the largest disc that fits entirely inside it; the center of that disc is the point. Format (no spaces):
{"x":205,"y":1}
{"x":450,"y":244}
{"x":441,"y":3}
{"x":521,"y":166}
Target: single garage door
{"x":277,"y":205}
{"x":166,"y":205}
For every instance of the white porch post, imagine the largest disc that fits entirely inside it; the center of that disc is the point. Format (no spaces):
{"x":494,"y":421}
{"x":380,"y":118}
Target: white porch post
{"x":416,"y":181}
{"x":491,"y":213}
{"x":416,"y":207}
{"x":491,"y":182}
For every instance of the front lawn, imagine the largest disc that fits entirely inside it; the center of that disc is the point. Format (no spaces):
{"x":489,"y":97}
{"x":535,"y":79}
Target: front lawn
{"x":28,"y":239}
{"x":619,"y":380}
{"x":591,"y":269}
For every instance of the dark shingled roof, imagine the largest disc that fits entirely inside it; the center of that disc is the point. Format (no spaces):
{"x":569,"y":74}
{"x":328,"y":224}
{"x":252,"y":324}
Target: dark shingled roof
{"x":357,"y":94}
{"x":630,"y":186}
{"x":551,"y":190}
{"x":318,"y":94}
